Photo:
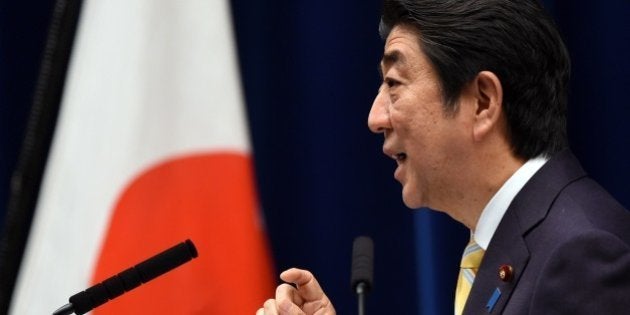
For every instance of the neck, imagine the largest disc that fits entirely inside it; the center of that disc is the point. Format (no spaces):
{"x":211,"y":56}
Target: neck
{"x":491,"y":172}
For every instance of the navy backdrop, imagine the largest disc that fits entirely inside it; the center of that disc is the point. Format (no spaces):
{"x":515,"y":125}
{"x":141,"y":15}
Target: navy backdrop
{"x":309,"y":72}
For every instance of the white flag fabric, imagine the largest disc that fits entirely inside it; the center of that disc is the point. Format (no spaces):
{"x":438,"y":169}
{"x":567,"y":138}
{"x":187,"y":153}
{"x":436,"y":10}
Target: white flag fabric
{"x":151,"y":148}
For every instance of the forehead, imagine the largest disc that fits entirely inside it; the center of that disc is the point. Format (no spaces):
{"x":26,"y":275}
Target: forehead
{"x":403,"y":34}
{"x":402,"y":47}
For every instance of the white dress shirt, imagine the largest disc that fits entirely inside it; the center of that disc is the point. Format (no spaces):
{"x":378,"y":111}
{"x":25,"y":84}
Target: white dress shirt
{"x":496,"y":207}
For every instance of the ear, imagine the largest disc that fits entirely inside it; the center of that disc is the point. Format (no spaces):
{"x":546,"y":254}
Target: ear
{"x":488,"y":96}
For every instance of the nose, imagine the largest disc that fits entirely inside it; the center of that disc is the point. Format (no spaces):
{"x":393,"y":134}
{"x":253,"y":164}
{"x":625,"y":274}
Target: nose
{"x":378,"y":119}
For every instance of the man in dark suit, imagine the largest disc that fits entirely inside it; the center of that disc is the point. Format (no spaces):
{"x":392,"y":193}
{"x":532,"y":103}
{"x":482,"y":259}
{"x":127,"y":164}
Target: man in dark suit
{"x":473,"y":111}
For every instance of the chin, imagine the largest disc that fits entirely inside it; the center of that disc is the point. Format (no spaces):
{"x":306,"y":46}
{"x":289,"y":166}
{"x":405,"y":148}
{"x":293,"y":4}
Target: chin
{"x":412,"y":201}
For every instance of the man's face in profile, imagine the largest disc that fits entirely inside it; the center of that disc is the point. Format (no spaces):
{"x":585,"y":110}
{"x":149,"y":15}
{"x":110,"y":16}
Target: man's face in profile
{"x":428,"y":144}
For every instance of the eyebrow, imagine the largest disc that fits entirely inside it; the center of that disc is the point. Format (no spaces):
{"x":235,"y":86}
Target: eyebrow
{"x":390,"y":58}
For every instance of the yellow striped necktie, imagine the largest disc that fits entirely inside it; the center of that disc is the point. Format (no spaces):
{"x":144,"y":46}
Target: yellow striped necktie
{"x":471,"y":259}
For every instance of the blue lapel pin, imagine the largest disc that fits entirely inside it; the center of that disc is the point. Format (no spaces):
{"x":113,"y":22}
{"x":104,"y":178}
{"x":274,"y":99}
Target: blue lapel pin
{"x":493,"y":300}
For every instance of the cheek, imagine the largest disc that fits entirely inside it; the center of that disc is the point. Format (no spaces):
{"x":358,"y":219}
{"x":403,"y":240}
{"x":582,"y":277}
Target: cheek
{"x":405,"y":120}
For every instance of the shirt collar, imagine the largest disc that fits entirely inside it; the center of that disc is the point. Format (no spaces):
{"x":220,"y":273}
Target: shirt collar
{"x":498,"y":205}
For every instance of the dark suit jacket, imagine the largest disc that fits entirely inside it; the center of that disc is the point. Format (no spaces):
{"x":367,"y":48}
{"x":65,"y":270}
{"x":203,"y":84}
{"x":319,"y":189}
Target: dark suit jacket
{"x":568,"y":243}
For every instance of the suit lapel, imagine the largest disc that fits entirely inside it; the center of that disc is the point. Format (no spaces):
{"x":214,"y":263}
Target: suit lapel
{"x":508,"y":246}
{"x":490,"y":293}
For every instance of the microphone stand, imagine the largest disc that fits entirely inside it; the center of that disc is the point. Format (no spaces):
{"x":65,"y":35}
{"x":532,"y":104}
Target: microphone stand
{"x":361,"y":290}
{"x":362,"y":269}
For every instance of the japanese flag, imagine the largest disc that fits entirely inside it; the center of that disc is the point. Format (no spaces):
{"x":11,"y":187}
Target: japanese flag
{"x":151,"y":148}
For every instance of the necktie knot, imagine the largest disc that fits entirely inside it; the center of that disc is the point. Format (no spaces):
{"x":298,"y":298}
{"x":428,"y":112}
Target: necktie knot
{"x":473,"y":254}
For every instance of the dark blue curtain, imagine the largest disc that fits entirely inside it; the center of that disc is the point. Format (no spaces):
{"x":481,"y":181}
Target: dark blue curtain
{"x":23,"y":29}
{"x":309,"y":72}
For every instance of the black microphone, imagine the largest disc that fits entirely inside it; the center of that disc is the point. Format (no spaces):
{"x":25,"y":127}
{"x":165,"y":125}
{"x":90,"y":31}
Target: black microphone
{"x":362,"y":269}
{"x":129,"y":279}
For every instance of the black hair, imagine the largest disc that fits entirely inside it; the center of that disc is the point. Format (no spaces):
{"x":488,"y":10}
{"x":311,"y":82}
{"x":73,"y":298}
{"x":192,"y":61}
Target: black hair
{"x":514,"y":39}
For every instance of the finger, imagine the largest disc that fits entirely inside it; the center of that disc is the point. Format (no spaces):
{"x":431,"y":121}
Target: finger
{"x":260,"y":311}
{"x":318,"y":307}
{"x":288,"y":300}
{"x":307,"y":285}
{"x":285,"y":307}
{"x":286,"y":292}
{"x":270,"y":307}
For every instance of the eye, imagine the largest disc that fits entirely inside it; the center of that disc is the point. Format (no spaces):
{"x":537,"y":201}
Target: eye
{"x":391,"y":89}
{"x":391,"y":83}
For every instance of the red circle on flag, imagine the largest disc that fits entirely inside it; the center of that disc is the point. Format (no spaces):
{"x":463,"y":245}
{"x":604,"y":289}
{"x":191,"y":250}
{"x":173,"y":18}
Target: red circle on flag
{"x":209,"y":198}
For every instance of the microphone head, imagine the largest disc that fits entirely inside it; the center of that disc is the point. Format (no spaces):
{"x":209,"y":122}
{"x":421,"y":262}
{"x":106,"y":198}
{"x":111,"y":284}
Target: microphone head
{"x":130,"y":278}
{"x":362,"y":263}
